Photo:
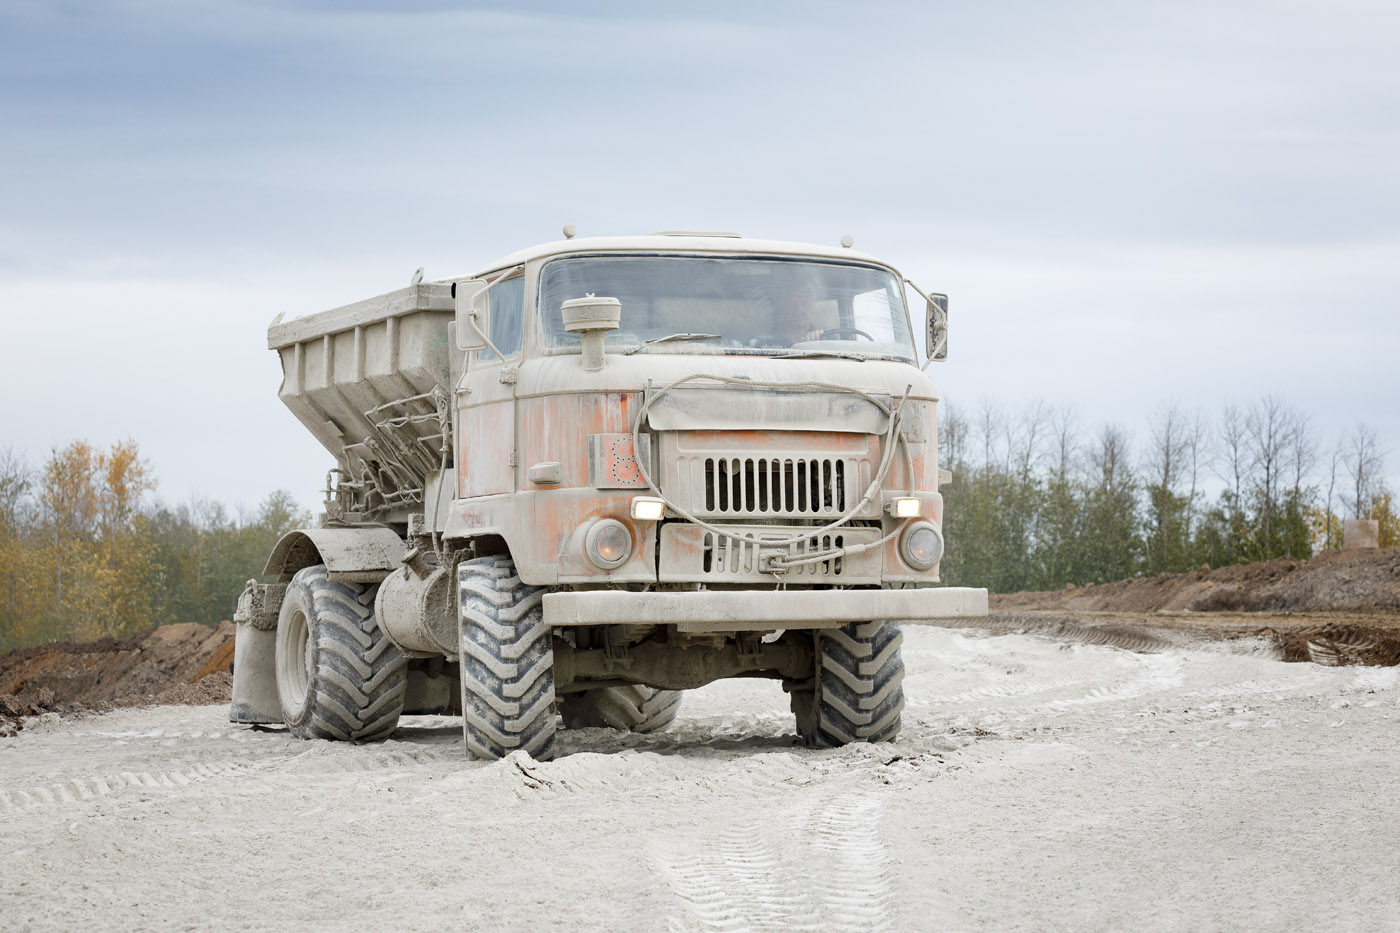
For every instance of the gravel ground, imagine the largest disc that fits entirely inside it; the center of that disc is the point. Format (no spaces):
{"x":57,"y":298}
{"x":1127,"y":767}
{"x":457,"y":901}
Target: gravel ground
{"x":1043,"y":780}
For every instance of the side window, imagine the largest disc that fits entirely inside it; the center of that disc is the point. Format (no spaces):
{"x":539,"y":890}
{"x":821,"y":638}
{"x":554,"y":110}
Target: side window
{"x":507,"y":317}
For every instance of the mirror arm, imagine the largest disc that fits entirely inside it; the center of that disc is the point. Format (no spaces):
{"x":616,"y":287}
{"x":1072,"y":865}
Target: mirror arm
{"x":929,"y":302}
{"x":910,"y":283}
{"x":471,"y":319}
{"x":472,"y":316}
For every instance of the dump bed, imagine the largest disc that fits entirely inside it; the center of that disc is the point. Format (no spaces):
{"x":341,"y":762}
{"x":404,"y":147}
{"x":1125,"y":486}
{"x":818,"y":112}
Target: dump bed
{"x":370,"y":381}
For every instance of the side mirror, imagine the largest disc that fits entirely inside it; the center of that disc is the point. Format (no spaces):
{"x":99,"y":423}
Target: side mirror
{"x":937,"y":327}
{"x":472,"y":319}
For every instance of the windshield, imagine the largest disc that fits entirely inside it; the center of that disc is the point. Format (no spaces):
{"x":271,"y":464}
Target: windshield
{"x":696,"y":304}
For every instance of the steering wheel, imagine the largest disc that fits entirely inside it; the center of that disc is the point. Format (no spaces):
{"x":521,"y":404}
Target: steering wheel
{"x":837,"y":333}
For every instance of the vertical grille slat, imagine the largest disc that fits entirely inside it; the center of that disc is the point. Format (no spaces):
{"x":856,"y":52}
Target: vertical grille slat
{"x":723,"y":556}
{"x":777,"y":486}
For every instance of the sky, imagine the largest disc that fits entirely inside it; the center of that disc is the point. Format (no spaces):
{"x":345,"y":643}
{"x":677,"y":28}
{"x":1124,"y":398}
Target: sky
{"x":1129,"y":204}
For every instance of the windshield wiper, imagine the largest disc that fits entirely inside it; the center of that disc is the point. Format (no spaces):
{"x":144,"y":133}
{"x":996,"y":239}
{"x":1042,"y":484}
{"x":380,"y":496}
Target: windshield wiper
{"x":647,"y":343}
{"x":820,"y":354}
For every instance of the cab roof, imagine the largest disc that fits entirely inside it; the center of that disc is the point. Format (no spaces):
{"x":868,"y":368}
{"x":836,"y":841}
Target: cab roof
{"x":721,"y":243}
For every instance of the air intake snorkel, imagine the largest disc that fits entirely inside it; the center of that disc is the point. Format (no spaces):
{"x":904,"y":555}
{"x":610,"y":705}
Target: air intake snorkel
{"x":591,"y":318}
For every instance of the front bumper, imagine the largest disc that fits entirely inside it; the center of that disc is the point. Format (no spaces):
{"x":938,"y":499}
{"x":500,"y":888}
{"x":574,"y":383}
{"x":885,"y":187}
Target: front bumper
{"x":742,"y":611}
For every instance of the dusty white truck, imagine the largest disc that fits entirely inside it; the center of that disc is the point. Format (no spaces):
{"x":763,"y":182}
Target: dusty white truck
{"x":596,"y":474}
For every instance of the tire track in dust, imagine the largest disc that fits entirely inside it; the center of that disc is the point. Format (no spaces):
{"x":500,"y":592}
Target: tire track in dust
{"x":1244,"y":688}
{"x":74,"y":791}
{"x":406,"y":759}
{"x":854,"y":875}
{"x":1125,"y":635}
{"x":993,"y":692}
{"x":737,"y":881}
{"x":1155,"y":673}
{"x":837,"y":875}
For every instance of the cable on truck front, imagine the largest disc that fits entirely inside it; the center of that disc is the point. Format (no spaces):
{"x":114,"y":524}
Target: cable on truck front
{"x":780,"y":563}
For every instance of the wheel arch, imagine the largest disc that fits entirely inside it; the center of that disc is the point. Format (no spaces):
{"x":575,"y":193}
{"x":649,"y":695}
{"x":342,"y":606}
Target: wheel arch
{"x":369,"y":550}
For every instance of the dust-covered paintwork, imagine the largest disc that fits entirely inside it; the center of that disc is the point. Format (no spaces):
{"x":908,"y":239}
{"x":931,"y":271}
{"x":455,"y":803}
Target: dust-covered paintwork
{"x":761,"y":462}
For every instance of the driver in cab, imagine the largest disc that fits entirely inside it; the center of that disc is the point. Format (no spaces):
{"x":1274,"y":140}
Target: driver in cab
{"x":795,"y":314}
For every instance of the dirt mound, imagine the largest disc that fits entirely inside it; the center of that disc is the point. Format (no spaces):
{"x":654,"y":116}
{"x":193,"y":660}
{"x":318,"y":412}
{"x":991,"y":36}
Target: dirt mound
{"x":209,"y":690}
{"x":1341,"y":644}
{"x":184,"y":664}
{"x":1367,"y":581}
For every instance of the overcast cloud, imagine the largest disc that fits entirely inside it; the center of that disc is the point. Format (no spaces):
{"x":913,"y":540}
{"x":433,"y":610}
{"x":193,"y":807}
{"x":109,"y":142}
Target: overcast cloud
{"x":1127,"y":202}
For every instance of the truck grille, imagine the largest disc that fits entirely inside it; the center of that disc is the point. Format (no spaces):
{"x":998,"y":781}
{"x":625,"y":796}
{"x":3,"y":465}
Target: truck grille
{"x":695,"y":554}
{"x":722,"y":555}
{"x":776,"y":486}
{"x":768,"y":476}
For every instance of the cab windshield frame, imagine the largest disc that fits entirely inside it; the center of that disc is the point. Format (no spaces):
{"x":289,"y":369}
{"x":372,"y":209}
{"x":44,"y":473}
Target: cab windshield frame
{"x":744,"y":304}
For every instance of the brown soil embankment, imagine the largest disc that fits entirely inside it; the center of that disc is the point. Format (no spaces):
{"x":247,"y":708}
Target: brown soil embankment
{"x":1341,"y":607}
{"x":1338,"y":608}
{"x":1333,"y":581}
{"x":173,"y":664}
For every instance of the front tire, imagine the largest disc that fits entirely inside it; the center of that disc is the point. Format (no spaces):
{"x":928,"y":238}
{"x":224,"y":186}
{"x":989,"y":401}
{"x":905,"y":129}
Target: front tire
{"x":857,"y":695}
{"x":633,"y":708}
{"x":338,"y":676}
{"x":507,"y":664}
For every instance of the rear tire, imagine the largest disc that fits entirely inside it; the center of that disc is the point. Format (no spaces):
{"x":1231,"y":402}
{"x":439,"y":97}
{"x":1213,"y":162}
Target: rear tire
{"x":632,"y":708}
{"x":507,"y":662}
{"x":338,"y":676}
{"x":858,"y":694}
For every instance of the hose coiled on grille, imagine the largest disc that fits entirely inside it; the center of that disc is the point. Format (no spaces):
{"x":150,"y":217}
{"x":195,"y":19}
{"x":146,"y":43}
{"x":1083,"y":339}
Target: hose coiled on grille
{"x":779,"y":563}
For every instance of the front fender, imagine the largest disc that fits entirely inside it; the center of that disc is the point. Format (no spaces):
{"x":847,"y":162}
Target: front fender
{"x":369,"y":553}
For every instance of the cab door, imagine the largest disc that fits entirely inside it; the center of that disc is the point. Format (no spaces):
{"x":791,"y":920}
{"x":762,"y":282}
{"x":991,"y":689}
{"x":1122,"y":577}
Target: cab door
{"x":486,"y":396}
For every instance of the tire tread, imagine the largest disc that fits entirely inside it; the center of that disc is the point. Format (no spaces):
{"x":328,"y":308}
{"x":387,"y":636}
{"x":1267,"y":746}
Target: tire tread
{"x":507,"y":662}
{"x":633,"y":708}
{"x":359,"y":678}
{"x":859,"y":692}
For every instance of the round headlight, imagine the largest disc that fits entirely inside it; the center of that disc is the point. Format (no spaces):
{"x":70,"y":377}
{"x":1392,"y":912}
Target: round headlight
{"x":608,"y":543}
{"x":922,"y":546}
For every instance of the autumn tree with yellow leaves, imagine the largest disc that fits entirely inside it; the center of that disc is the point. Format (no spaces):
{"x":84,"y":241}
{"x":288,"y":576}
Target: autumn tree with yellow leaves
{"x":83,"y":554}
{"x":77,"y":553}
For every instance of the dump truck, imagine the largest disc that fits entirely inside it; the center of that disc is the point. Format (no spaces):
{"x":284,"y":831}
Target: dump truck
{"x":596,"y":474}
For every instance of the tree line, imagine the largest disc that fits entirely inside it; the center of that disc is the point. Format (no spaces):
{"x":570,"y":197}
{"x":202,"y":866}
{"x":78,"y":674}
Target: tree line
{"x":1036,"y":502}
{"x":85,"y":552}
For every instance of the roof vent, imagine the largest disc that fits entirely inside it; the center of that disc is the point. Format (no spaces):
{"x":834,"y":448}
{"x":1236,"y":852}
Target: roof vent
{"x":732,"y":236}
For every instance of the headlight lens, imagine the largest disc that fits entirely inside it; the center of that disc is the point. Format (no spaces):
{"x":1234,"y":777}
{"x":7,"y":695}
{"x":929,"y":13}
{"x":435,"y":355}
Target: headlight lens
{"x":608,"y":543}
{"x":922,"y":546}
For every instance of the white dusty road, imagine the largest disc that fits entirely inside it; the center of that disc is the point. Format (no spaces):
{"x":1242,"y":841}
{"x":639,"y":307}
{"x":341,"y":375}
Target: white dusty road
{"x":1038,"y":784}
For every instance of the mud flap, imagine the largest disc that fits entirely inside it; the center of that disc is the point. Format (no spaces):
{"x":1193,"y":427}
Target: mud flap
{"x":254,"y":676}
{"x":255,"y":654}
